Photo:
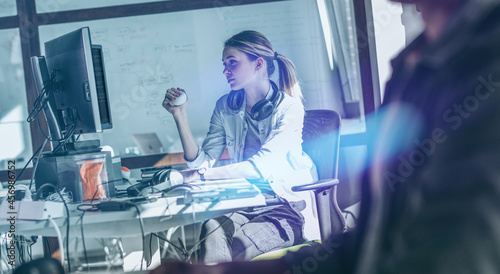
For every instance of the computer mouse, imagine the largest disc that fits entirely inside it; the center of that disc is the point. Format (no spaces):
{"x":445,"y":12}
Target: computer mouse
{"x":177,"y":190}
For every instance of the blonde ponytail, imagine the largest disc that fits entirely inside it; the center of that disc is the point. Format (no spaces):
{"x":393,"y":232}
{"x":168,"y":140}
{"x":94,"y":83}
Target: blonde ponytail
{"x":256,"y":45}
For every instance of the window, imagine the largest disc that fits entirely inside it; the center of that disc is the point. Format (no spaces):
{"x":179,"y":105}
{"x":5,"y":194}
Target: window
{"x":8,"y":8}
{"x":146,"y":55}
{"x":15,"y":140}
{"x":46,"y":6}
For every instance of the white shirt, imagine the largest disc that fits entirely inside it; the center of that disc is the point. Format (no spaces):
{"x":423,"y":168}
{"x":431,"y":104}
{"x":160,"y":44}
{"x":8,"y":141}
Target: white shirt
{"x":280,"y":160}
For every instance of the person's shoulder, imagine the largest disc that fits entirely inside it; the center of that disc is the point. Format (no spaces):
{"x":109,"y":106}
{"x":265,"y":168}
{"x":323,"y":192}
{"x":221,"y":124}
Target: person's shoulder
{"x":289,"y":103}
{"x":289,"y":100}
{"x":222,"y":101}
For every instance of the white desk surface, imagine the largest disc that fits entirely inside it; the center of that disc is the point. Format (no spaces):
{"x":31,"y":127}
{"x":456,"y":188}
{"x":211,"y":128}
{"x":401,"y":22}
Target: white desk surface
{"x":157,"y":216}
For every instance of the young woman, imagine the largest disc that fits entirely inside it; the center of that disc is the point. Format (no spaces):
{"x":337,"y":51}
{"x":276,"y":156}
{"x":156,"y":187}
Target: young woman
{"x":260,"y":123}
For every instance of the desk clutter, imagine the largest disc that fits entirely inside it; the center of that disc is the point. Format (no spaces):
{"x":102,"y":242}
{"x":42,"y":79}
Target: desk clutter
{"x":155,"y":182}
{"x":157,"y":201}
{"x":155,"y":179}
{"x":169,"y":182}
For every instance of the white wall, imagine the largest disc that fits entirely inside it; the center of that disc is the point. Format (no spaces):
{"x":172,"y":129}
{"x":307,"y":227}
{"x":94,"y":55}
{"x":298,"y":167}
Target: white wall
{"x":389,"y":36}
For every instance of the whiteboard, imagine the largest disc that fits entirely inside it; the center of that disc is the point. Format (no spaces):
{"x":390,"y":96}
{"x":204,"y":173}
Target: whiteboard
{"x":145,"y":55}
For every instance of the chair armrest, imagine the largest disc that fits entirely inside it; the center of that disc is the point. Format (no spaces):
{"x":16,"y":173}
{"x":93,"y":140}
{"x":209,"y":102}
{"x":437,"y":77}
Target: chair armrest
{"x":317,"y":186}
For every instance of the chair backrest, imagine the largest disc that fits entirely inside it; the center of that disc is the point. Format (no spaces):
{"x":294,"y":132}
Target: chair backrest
{"x":321,"y":138}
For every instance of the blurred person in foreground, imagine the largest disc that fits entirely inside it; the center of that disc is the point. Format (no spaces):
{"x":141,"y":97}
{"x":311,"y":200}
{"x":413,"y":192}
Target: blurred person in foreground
{"x":430,"y":196}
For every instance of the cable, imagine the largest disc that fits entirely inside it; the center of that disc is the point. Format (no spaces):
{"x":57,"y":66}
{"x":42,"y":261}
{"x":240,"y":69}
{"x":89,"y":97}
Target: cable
{"x":95,"y":193}
{"x":83,"y":242}
{"x":164,"y":239}
{"x":169,"y":213}
{"x":36,"y":165}
{"x":150,"y":250}
{"x":59,"y":239}
{"x":114,"y":206}
{"x":91,"y":207}
{"x":21,"y":251}
{"x":67,"y":218}
{"x":47,"y":245}
{"x":1,"y":259}
{"x":188,"y":255}
{"x":41,"y":129}
{"x":30,"y":252}
{"x":54,"y":196}
{"x":32,"y":156}
{"x":39,"y":104}
{"x":68,"y":135}
{"x":142,"y":230}
{"x":42,"y":99}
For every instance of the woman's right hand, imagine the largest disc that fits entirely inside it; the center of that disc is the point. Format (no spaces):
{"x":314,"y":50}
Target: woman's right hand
{"x":190,"y":175}
{"x":171,"y":96}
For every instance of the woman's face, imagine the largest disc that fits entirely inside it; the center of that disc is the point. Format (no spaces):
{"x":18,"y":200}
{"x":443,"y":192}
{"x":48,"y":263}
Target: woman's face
{"x":238,"y":68}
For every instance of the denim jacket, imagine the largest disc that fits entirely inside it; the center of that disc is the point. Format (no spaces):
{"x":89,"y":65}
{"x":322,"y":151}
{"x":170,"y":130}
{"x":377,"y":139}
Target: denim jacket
{"x":280,"y":160}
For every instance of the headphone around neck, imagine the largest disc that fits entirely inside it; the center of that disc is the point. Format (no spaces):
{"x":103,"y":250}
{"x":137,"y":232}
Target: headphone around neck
{"x":262,"y":109}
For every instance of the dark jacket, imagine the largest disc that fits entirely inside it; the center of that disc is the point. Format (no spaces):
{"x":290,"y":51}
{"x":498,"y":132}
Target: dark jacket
{"x":431,"y":196}
{"x":431,"y":200}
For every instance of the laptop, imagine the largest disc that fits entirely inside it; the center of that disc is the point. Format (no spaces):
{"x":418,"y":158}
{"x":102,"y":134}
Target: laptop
{"x":148,"y":143}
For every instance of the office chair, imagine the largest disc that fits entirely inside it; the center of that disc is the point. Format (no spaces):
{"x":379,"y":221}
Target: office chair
{"x":321,"y":138}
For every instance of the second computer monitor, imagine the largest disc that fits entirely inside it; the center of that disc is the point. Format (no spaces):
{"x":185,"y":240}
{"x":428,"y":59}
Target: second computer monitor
{"x":81,"y":99}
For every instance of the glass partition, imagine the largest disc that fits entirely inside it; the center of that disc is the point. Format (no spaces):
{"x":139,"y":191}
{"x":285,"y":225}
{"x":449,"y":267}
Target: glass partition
{"x":145,"y":55}
{"x":15,"y":136}
{"x":8,"y":8}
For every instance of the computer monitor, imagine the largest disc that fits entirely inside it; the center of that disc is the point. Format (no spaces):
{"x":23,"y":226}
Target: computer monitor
{"x":71,"y":84}
{"x":46,"y":101}
{"x":78,"y":88}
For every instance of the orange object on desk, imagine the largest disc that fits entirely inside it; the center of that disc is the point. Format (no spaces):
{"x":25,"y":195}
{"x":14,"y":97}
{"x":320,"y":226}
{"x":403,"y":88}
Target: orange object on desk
{"x":90,"y":175}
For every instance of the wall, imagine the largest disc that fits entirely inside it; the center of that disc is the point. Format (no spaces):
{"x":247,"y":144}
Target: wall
{"x":145,"y":55}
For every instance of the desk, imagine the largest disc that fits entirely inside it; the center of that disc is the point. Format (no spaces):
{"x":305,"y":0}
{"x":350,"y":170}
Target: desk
{"x":160,"y":215}
{"x":157,"y":216}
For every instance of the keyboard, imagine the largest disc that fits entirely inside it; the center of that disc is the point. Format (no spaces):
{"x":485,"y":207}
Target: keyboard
{"x":218,"y":194}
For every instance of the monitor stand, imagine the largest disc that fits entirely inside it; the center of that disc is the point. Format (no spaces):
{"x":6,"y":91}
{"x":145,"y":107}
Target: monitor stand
{"x":78,"y":147}
{"x":84,"y":146}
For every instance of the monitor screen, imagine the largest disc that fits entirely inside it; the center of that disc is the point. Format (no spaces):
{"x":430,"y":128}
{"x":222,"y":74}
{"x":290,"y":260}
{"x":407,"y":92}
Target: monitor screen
{"x":81,"y":97}
{"x":101,"y":88}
